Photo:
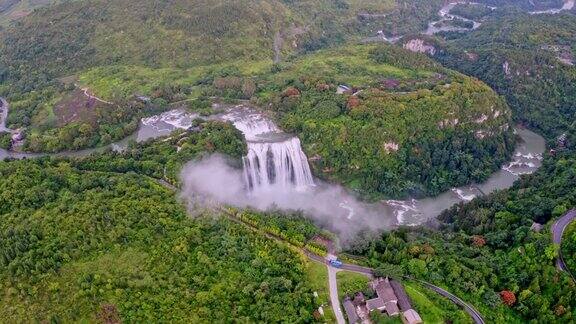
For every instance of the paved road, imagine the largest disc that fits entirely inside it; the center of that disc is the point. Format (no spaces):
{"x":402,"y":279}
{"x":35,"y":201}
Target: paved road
{"x":558,"y":229}
{"x":476,"y":317}
{"x":334,"y":300}
{"x":4,"y":107}
{"x":358,"y":269}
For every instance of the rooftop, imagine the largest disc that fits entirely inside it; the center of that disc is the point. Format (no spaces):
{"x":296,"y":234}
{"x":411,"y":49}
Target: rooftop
{"x":403,"y":299}
{"x":384,"y":290}
{"x":350,"y":311}
{"x":411,"y":317}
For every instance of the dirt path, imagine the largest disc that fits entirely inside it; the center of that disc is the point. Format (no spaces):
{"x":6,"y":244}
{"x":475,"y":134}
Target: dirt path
{"x":89,"y":95}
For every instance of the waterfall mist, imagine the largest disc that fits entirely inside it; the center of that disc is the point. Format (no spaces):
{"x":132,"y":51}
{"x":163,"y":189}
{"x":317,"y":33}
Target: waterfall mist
{"x":212,"y":182}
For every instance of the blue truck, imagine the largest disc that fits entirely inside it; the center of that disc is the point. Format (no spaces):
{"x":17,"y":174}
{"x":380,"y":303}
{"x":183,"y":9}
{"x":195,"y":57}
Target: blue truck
{"x":336,"y":263}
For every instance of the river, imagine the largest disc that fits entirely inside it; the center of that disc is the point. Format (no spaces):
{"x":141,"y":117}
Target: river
{"x":152,"y":127}
{"x":341,"y":204}
{"x":444,"y":24}
{"x":527,"y":158}
{"x":568,"y":5}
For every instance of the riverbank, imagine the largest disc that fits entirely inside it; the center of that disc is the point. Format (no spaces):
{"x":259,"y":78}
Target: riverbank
{"x":340,"y":203}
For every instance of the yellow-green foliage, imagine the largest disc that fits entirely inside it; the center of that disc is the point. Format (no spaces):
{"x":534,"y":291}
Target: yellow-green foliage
{"x":91,"y":244}
{"x":118,"y":82}
{"x":350,"y":65}
{"x":350,"y":283}
{"x":410,"y":128}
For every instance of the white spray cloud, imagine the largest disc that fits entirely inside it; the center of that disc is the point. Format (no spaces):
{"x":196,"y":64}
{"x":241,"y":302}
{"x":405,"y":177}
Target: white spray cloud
{"x":212,"y":181}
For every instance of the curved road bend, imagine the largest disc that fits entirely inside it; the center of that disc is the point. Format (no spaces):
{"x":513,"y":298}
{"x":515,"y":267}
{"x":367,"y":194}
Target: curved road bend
{"x":558,"y":229}
{"x":469,"y":309}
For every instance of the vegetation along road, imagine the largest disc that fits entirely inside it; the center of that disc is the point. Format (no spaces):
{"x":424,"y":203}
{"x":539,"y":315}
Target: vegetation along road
{"x":559,"y":225}
{"x":476,"y":316}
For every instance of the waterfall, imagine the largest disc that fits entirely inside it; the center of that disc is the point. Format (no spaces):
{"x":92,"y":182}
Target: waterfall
{"x":274,"y":158}
{"x":282,"y":164}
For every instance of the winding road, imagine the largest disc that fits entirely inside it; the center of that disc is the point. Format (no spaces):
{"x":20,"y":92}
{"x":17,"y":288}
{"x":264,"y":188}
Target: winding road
{"x":469,"y":309}
{"x":4,"y":115}
{"x":558,"y":229}
{"x":476,"y":316}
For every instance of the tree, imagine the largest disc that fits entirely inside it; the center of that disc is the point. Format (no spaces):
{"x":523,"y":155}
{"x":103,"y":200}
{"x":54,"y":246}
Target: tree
{"x":389,"y":270}
{"x":478,"y":240}
{"x":508,"y":297}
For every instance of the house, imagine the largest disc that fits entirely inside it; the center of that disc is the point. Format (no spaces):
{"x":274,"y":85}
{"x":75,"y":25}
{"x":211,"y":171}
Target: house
{"x":376,"y":303}
{"x":411,"y":317}
{"x":403,"y":299}
{"x":350,"y":310}
{"x":536,"y":227}
{"x":391,"y":298}
{"x":361,"y":308}
{"x":343,"y":89}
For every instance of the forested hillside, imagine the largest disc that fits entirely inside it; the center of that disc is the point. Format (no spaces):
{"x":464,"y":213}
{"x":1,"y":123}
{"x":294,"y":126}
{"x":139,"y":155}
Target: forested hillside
{"x":528,"y":5}
{"x":529,"y":59}
{"x":407,"y":127}
{"x":12,"y":10}
{"x":569,"y":248}
{"x":93,"y":246}
{"x":104,"y":238}
{"x":56,"y":58}
{"x":488,"y":254}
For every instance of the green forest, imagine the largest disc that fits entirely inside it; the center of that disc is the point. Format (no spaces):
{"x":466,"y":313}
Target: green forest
{"x":569,"y":248}
{"x":487,"y":246}
{"x":96,"y":246}
{"x":519,"y":56}
{"x":407,"y":127}
{"x":106,"y":238}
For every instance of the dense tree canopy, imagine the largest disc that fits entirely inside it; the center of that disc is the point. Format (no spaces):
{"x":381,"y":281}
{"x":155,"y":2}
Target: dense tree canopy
{"x":79,"y":245}
{"x":406,"y":127}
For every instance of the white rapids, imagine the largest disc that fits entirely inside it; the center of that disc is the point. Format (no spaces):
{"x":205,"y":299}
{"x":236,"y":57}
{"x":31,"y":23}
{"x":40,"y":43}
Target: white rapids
{"x":274,"y":159}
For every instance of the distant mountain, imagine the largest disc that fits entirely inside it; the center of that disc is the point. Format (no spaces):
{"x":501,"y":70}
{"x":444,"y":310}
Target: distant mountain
{"x":71,"y":36}
{"x":529,"y":59}
{"x":12,"y":10}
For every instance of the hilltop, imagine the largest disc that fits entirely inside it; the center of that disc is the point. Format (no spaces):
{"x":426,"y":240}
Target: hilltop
{"x":403,"y":124}
{"x":527,"y":58}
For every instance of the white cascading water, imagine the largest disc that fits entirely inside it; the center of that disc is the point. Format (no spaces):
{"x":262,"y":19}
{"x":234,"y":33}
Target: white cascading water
{"x":274,"y":159}
{"x":276,"y":164}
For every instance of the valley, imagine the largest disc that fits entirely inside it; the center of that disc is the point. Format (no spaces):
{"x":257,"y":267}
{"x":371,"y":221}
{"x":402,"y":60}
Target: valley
{"x":233,"y":160}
